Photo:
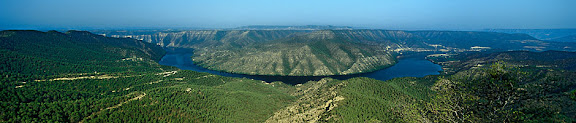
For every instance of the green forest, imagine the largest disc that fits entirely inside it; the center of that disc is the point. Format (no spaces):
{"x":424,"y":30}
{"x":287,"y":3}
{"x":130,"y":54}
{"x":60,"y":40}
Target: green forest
{"x":77,"y":76}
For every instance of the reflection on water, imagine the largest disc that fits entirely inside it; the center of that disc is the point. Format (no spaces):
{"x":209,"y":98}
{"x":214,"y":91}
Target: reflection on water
{"x":415,"y":66}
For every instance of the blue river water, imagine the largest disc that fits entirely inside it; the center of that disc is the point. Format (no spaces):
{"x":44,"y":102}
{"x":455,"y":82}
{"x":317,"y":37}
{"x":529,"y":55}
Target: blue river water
{"x":413,"y":66}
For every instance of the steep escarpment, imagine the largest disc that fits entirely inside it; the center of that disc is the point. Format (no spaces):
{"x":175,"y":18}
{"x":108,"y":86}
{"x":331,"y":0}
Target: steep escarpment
{"x":318,"y":53}
{"x":205,"y":38}
{"x":388,"y":36}
{"x":389,"y":39}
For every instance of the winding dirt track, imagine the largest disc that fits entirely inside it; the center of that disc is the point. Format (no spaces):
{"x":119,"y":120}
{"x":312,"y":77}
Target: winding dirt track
{"x":115,"y":106}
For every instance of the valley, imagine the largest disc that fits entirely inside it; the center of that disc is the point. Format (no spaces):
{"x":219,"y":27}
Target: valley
{"x":289,"y":61}
{"x":326,"y":52}
{"x":78,"y":76}
{"x":408,"y":66}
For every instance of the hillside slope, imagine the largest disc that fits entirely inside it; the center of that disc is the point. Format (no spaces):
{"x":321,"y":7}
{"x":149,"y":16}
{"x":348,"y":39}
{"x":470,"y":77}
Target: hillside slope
{"x":515,"y":86}
{"x":547,"y":59}
{"x":318,"y":53}
{"x":34,"y":54}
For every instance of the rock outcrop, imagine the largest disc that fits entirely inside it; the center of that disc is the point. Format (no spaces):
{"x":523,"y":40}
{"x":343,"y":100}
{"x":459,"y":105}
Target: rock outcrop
{"x":316,"y":100}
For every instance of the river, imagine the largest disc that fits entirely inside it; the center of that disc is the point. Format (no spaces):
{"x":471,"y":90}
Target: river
{"x":411,"y":66}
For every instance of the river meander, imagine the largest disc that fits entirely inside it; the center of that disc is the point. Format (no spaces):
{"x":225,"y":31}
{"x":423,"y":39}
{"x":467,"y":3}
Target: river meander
{"x":411,"y":66}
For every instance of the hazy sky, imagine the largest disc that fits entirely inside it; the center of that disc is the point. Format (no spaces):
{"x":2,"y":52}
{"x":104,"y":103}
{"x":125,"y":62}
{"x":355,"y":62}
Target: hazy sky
{"x":387,"y":14}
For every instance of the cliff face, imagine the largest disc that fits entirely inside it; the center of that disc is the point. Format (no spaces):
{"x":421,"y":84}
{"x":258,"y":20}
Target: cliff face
{"x":207,"y":38}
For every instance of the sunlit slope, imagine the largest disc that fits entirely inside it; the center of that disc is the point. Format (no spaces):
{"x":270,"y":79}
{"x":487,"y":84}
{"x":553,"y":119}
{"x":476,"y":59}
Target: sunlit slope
{"x":318,"y":53}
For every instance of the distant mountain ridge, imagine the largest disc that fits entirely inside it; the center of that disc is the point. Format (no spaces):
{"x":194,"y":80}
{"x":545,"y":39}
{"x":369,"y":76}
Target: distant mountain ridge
{"x":570,"y":38}
{"x":202,"y":38}
{"x":306,"y":27}
{"x":541,"y":34}
{"x":406,"y":39}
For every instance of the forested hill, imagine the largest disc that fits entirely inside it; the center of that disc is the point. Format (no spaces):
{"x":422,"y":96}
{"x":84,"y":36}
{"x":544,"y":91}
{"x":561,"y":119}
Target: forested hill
{"x":319,"y":53}
{"x":35,"y":54}
{"x":548,"y":59}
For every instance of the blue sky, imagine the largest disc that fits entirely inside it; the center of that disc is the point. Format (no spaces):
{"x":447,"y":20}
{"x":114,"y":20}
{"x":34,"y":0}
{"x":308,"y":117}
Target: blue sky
{"x":386,"y":14}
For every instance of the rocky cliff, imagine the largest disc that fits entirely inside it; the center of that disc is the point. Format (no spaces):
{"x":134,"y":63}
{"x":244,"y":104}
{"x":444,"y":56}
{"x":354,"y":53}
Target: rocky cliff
{"x":205,"y":38}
